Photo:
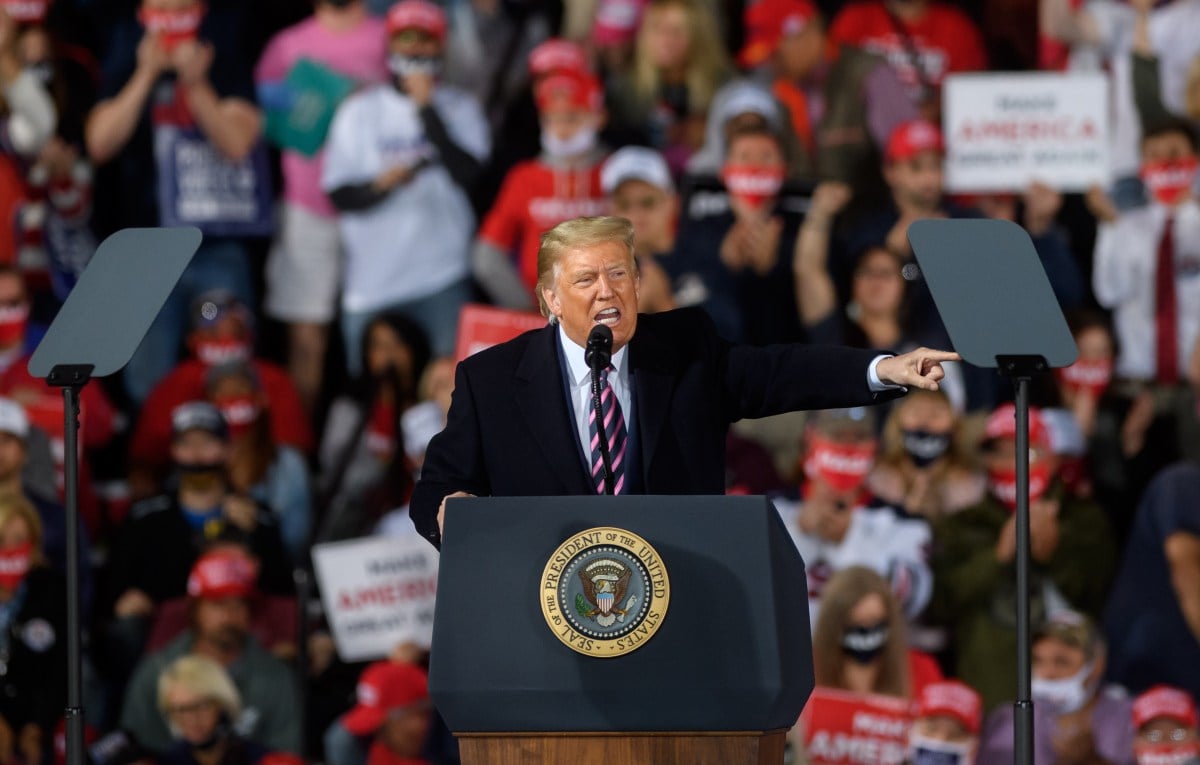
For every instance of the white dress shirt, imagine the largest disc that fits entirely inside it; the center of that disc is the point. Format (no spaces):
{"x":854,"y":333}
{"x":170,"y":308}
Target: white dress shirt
{"x":1123,"y":277}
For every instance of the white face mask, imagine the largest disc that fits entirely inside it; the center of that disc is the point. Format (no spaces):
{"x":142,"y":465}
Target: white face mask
{"x":577,"y":145}
{"x":1067,"y":695}
{"x":923,"y":750}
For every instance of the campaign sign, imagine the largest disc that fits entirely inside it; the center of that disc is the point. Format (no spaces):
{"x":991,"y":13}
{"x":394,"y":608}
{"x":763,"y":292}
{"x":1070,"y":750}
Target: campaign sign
{"x":481,"y":326}
{"x":377,"y":592}
{"x":843,"y":728}
{"x":1005,"y":131}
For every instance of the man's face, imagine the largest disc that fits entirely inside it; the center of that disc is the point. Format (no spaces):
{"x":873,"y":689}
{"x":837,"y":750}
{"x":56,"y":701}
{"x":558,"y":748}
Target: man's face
{"x":1166,"y":147}
{"x":650,"y":209}
{"x":916,"y":182}
{"x":755,"y":150}
{"x":799,"y":53}
{"x":595,"y":285}
{"x":12,"y":457}
{"x":405,"y":730}
{"x":1055,"y":660}
{"x":1162,"y":731}
{"x":198,"y":447}
{"x":224,"y":622}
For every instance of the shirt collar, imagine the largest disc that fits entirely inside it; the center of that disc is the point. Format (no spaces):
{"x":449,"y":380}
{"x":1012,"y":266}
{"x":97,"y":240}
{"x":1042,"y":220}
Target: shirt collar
{"x":580,"y":373}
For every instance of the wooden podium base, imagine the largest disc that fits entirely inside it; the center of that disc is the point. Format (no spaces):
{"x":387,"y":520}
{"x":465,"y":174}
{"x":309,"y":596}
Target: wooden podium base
{"x":684,"y":748}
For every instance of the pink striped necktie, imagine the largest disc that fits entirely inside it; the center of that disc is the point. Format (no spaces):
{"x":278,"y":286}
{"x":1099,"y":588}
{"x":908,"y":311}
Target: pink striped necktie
{"x":614,"y":434}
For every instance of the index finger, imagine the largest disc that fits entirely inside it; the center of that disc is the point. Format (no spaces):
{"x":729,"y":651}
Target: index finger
{"x":934,"y":355}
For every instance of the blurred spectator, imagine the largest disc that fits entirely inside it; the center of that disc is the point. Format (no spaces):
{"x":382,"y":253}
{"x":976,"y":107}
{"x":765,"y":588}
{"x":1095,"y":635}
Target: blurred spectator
{"x":1076,"y":719}
{"x":1152,"y":620}
{"x":1084,"y":383}
{"x":739,"y":261}
{"x":834,"y":528}
{"x":394,"y":710}
{"x":925,"y":466}
{"x":678,"y":65}
{"x":364,"y":463}
{"x":562,"y":183}
{"x":174,"y":85}
{"x":32,"y":636}
{"x":44,"y":404}
{"x":155,"y":549}
{"x":272,"y":474}
{"x":639,"y":187}
{"x":222,"y":588}
{"x":859,"y":641}
{"x":1165,"y":719}
{"x":924,"y":40}
{"x":740,"y":104}
{"x":615,"y":33}
{"x":1072,"y":551}
{"x":401,"y":161}
{"x":304,"y":264}
{"x":222,"y":332}
{"x":200,"y":705}
{"x":843,"y":108}
{"x":19,"y":335}
{"x":946,"y":722}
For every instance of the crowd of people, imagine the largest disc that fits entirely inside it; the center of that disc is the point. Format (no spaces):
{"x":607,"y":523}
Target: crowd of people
{"x":364,"y":169}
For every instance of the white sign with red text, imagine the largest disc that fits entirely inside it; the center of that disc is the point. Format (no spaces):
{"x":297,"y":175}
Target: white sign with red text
{"x":377,"y":592}
{"x":1005,"y":131}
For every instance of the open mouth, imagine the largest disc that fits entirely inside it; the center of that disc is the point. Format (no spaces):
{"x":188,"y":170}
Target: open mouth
{"x":609,"y":316}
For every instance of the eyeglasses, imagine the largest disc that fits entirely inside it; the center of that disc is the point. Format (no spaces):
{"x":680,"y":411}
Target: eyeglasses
{"x":1164,"y":736}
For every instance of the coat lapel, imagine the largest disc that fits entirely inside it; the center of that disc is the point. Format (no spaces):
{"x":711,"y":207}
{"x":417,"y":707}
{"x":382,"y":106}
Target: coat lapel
{"x":654,"y":383}
{"x":545,"y":411}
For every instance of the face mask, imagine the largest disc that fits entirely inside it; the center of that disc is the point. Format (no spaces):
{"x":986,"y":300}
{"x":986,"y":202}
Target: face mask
{"x":843,"y":466}
{"x":1091,"y":376}
{"x":172,"y":27}
{"x":402,"y":66}
{"x":864,"y":644}
{"x":577,"y":145}
{"x":42,"y":71}
{"x":212,"y":353}
{"x":12,"y":324}
{"x":1167,"y":754}
{"x":925,"y":447}
{"x":14,"y":564}
{"x":240,"y":413}
{"x":1067,"y":695}
{"x":923,"y":750}
{"x":1170,"y":181}
{"x":1003,"y":484}
{"x":752,"y":184}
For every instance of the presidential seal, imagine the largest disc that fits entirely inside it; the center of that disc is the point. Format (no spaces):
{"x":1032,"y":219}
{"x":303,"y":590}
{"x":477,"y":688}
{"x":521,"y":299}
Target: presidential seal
{"x":605,"y":592}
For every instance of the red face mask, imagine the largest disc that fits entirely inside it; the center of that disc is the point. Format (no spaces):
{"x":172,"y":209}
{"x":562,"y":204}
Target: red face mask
{"x":1003,"y":483}
{"x":12,"y":324}
{"x":1170,"y":181}
{"x":1167,"y":754}
{"x":1090,"y":376}
{"x":754,"y":184}
{"x":212,"y":352}
{"x":240,"y":413}
{"x":844,"y":466}
{"x":174,"y":26}
{"x":14,"y":564}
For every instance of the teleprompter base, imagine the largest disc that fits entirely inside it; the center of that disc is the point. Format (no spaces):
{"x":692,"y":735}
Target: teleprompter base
{"x":581,"y":748}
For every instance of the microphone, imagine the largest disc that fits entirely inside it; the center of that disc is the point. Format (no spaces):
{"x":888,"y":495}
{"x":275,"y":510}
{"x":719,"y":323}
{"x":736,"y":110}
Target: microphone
{"x":911,"y":272}
{"x":598,"y":352}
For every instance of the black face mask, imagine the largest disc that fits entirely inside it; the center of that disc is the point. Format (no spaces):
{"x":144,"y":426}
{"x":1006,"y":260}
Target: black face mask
{"x":864,"y":644}
{"x":925,"y":447}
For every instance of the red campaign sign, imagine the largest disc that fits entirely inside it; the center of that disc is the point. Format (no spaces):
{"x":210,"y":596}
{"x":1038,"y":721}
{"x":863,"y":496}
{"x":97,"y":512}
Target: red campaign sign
{"x":841,"y":728}
{"x":481,"y":326}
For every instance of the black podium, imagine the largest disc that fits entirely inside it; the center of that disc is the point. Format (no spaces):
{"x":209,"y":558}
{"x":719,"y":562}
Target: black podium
{"x":701,"y":652}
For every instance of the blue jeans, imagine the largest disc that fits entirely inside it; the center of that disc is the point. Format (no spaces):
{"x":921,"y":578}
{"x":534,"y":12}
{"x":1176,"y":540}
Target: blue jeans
{"x":219,"y":264}
{"x":437,"y":314}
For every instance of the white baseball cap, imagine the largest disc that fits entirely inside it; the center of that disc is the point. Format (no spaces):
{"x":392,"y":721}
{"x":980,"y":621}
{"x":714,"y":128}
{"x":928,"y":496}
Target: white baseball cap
{"x":636,"y":163}
{"x":13,"y":419}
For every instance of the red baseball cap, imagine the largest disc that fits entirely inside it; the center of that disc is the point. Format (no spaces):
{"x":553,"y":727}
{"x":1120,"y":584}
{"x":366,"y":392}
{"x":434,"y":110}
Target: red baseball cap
{"x":768,"y":22}
{"x":912,"y":138}
{"x":574,"y":89}
{"x":557,"y":55}
{"x":417,"y":14}
{"x":222,"y":574}
{"x":952,"y":699}
{"x":617,"y":21}
{"x":1002,"y":423}
{"x":1164,"y":701}
{"x":382,"y":687}
{"x":26,"y":11}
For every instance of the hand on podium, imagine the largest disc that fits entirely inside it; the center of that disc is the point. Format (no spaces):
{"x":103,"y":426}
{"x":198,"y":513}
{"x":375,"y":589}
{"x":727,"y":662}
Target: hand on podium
{"x":442,"y":507}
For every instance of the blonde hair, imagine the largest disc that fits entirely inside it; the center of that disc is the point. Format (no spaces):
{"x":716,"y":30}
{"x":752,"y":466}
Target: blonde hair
{"x":203,"y":677}
{"x":16,"y":506}
{"x":845,"y":590}
{"x":707,"y":63}
{"x":574,"y":234}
